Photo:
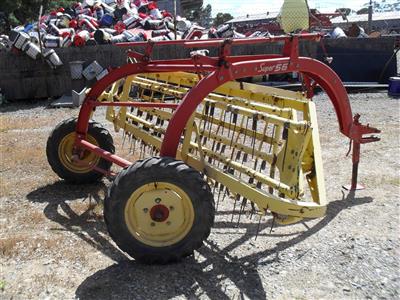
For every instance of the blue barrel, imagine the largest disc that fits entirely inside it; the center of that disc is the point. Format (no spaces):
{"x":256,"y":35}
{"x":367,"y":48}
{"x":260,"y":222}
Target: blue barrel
{"x":394,"y":87}
{"x":107,"y":20}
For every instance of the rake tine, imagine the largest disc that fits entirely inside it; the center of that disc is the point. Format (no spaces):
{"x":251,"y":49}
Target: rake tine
{"x":285,"y":136}
{"x":226,"y":193}
{"x":260,"y":146}
{"x":223,"y":127}
{"x":134,"y":144}
{"x":206,"y":111}
{"x":214,"y":140}
{"x":272,"y":224}
{"x":204,"y":140}
{"x":131,"y":139}
{"x":216,"y":184}
{"x":216,"y":150}
{"x":238,"y":155}
{"x":254,"y":128}
{"x":234,"y":206}
{"x":242,"y":207}
{"x":244,"y":160}
{"x":161,"y":126}
{"x":221,"y":187}
{"x":141,"y":150}
{"x":253,"y":209}
{"x":253,"y":206}
{"x":263,"y":165}
{"x":223,"y":148}
{"x":230,"y":123}
{"x":258,"y":227}
{"x":272,"y":136}
{"x":235,"y":118}
{"x":255,"y":164}
{"x":245,"y":132}
{"x":222,"y":152}
{"x":123,"y":138}
{"x":211,"y":123}
{"x":218,"y":146}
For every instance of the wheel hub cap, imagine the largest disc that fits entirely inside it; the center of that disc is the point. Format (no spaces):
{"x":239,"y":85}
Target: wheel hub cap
{"x":159,"y":214}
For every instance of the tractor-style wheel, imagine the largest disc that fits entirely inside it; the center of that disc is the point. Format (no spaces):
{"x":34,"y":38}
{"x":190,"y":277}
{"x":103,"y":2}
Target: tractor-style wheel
{"x":73,"y":164}
{"x":159,"y":210}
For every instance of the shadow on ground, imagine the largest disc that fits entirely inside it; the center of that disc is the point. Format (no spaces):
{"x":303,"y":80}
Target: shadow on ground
{"x":206,"y":273}
{"x":85,"y":225}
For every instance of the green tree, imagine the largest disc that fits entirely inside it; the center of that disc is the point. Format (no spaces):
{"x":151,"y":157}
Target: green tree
{"x":221,"y":18}
{"x":19,"y":12}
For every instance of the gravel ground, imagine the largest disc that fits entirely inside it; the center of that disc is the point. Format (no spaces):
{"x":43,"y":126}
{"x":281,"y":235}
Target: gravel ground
{"x":54,"y":243}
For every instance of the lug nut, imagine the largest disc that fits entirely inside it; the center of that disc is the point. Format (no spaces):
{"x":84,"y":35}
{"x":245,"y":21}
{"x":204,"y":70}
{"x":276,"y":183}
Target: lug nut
{"x":171,"y":208}
{"x":145,"y":210}
{"x":168,"y":222}
{"x":153,"y":224}
{"x":158,"y":200}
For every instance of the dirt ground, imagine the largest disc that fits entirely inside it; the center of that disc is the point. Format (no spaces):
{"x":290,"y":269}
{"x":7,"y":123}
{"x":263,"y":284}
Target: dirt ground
{"x":54,"y":243}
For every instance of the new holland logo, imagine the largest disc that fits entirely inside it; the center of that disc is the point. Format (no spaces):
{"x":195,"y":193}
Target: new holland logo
{"x":274,"y":68}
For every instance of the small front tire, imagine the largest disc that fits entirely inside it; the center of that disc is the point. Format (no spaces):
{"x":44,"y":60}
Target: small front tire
{"x":159,"y":210}
{"x":61,"y":150}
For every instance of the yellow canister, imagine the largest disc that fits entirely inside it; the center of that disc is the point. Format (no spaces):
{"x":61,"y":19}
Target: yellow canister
{"x":294,"y":15}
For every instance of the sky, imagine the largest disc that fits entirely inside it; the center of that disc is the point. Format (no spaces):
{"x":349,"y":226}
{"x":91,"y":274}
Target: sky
{"x":243,"y":7}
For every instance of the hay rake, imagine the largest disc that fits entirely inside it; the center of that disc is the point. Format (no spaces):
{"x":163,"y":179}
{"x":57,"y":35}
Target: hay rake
{"x":192,"y":126}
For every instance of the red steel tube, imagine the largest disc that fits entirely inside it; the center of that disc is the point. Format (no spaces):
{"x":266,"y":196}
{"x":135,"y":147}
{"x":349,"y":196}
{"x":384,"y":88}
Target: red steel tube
{"x":102,"y":153}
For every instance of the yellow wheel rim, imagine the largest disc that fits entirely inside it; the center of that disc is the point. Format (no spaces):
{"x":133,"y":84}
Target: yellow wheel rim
{"x":159,"y":214}
{"x":87,"y":159}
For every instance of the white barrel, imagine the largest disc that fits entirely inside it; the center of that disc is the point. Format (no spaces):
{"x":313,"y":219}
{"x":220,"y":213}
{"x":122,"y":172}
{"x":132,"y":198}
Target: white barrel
{"x":31,"y":50}
{"x":120,"y":38}
{"x":134,"y":37}
{"x":21,"y":40}
{"x":51,"y":41}
{"x":101,"y":74}
{"x":52,"y":58}
{"x":183,"y":25}
{"x":34,"y":36}
{"x":76,"y":68}
{"x":92,"y":70}
{"x":338,"y":33}
{"x":131,"y":21}
{"x":156,"y":13}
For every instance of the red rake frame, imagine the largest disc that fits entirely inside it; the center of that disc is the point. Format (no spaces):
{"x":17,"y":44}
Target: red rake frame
{"x":220,"y":70}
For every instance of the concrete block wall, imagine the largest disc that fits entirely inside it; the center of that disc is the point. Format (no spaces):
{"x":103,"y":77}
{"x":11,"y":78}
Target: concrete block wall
{"x":23,"y":78}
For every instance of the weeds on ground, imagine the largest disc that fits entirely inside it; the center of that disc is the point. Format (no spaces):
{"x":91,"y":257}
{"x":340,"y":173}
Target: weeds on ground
{"x":2,"y":285}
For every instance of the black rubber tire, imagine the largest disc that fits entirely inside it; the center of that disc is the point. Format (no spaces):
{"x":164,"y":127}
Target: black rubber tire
{"x":95,"y":130}
{"x":157,"y":169}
